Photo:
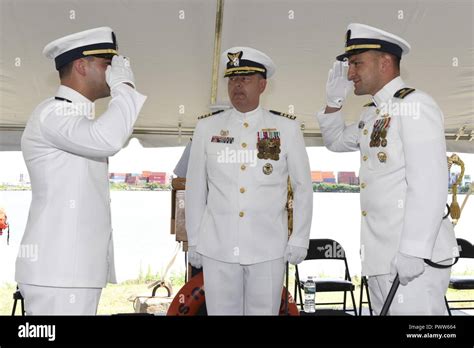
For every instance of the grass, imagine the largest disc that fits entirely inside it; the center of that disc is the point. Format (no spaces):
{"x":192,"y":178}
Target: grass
{"x":116,"y":297}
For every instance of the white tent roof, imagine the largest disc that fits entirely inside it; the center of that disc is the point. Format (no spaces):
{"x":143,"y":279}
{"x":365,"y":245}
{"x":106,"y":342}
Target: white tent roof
{"x":171,"y":46}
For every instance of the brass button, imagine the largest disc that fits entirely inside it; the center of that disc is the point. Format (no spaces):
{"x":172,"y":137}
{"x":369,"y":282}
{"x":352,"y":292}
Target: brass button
{"x":364,"y":158}
{"x":244,"y":145}
{"x":377,"y":111}
{"x":364,"y":213}
{"x":363,"y":185}
{"x":242,"y":189}
{"x":246,"y":124}
{"x":241,"y":214}
{"x":366,"y":132}
{"x":242,"y":167}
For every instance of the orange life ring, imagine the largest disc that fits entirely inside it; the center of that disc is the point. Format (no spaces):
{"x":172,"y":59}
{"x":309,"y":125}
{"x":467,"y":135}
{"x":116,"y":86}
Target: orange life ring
{"x":3,"y":221}
{"x":4,"y":224}
{"x":191,"y":297}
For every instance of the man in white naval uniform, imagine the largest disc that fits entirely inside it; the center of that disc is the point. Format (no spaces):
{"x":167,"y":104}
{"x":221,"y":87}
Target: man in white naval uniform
{"x":66,"y":151}
{"x":236,"y":193}
{"x":403,"y":174}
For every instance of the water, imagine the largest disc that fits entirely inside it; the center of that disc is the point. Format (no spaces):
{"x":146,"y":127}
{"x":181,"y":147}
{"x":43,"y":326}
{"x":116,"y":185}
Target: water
{"x":309,"y":295}
{"x":141,"y":223}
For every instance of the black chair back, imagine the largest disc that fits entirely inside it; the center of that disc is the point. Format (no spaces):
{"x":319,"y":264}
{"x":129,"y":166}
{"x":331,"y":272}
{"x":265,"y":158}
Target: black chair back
{"x":466,"y":249}
{"x":329,"y":249}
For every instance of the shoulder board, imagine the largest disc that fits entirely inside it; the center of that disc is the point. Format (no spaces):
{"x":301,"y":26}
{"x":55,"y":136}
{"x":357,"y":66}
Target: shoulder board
{"x":369,"y":104}
{"x":278,"y":113}
{"x":209,"y":114}
{"x":402,"y":93}
{"x":63,"y":99}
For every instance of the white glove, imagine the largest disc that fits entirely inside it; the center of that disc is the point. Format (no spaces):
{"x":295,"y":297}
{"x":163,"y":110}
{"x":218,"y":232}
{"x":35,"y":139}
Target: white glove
{"x":194,"y":258}
{"x":119,"y":72}
{"x":407,"y":267}
{"x":338,"y":85}
{"x":295,"y":254}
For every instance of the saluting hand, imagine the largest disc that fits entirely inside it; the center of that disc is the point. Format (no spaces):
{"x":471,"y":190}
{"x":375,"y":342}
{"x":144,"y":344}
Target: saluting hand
{"x":119,"y":72}
{"x":337,"y":85}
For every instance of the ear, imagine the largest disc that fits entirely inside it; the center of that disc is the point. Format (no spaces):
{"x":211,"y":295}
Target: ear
{"x":262,"y":83}
{"x":79,"y":66}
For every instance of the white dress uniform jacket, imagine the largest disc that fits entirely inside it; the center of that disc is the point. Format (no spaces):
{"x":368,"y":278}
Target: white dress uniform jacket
{"x":234,"y":211}
{"x":402,"y":198}
{"x":182,"y":165}
{"x":69,"y":220}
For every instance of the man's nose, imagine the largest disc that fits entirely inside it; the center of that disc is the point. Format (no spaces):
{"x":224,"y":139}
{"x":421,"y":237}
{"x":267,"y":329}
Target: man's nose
{"x":350,"y":73}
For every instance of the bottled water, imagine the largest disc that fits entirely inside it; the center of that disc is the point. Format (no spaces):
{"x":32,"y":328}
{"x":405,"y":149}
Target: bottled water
{"x":309,"y":295}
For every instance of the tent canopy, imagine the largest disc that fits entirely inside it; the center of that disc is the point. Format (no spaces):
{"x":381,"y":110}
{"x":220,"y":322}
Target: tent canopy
{"x":171,"y":47}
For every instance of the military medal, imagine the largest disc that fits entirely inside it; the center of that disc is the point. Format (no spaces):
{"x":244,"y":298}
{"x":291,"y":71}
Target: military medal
{"x":268,"y":144}
{"x":382,"y":157}
{"x":383,"y":133}
{"x":267,"y":169}
{"x":379,"y":132}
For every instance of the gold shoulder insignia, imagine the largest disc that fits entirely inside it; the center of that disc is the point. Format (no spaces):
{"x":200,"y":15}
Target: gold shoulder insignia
{"x":369,"y":104}
{"x":402,"y":93}
{"x":209,"y":114}
{"x":278,"y":113}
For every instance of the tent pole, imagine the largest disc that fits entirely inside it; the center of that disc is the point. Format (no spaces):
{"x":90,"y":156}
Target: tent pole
{"x":217,"y":50}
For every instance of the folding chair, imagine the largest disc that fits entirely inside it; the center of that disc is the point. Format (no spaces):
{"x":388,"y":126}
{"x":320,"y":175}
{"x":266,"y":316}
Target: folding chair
{"x":18,"y":297}
{"x":364,"y":286}
{"x":327,"y":249}
{"x":466,"y":251}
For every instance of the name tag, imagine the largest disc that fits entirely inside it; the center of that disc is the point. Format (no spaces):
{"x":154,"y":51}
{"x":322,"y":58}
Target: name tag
{"x":222,"y":140}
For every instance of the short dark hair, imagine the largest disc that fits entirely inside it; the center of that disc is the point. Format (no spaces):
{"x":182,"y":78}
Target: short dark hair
{"x":395,"y":59}
{"x":397,"y":62}
{"x":65,"y":70}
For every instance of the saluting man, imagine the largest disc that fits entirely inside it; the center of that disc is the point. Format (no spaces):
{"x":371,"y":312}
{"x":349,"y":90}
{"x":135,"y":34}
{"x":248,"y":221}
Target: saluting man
{"x":403,"y":174}
{"x":66,"y":152}
{"x":236,"y":193}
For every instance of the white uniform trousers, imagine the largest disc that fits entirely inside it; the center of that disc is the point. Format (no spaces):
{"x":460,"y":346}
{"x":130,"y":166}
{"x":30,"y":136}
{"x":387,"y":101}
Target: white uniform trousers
{"x":235,"y":289}
{"x":48,"y":300}
{"x":422,"y":296}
